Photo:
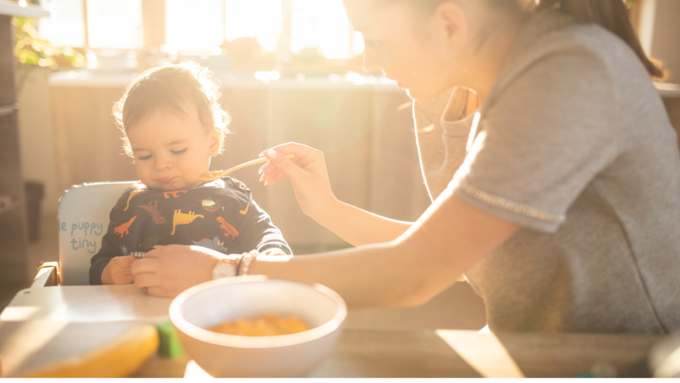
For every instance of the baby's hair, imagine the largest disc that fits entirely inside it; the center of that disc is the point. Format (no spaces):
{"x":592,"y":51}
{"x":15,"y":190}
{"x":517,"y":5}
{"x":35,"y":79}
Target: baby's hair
{"x":165,"y":87}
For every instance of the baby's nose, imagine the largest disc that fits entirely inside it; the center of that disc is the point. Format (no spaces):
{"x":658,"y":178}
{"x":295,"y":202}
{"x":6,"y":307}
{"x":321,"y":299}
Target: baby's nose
{"x":163,"y":163}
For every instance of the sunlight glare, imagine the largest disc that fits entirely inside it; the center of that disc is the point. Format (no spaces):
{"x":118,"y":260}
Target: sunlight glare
{"x":267,"y":76}
{"x":115,"y":24}
{"x":321,"y":24}
{"x":260,"y":19}
{"x":194,"y":25}
{"x":483,"y":352}
{"x":18,"y":313}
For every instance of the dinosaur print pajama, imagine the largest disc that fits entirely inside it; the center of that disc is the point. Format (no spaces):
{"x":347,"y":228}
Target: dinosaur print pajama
{"x":220,"y":215}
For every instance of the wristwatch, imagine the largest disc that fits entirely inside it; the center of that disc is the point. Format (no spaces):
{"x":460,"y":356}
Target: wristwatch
{"x":224,"y":268}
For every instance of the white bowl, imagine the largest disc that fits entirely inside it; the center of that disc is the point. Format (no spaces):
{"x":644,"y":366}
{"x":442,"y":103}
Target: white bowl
{"x":292,"y":355}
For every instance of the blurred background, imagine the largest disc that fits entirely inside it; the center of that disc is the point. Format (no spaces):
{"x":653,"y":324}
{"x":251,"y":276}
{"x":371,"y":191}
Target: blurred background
{"x":290,"y":70}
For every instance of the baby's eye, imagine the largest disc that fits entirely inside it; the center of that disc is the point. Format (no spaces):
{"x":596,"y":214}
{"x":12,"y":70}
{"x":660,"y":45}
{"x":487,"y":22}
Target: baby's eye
{"x":178,"y":151}
{"x":144,"y":158}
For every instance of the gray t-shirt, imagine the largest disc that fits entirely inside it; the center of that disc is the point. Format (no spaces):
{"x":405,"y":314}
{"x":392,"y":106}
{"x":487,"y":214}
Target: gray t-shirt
{"x":573,"y":144}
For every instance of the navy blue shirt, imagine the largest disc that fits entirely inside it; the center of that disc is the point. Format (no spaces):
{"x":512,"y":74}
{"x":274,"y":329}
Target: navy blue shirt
{"x":220,"y":215}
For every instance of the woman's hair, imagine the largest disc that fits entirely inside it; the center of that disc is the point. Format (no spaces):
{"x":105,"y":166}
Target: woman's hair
{"x":611,"y":14}
{"x":167,"y":87}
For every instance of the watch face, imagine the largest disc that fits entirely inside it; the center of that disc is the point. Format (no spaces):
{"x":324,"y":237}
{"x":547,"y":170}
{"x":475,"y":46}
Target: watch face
{"x":224,"y":270}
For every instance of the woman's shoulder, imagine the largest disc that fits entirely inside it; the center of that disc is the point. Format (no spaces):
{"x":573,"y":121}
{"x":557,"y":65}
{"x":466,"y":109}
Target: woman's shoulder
{"x":555,"y":54}
{"x":549,"y":30}
{"x":554,"y":37}
{"x":580,"y":64}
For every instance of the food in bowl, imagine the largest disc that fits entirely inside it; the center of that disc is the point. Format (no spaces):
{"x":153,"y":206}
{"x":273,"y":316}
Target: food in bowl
{"x":209,"y":304}
{"x":265,"y":325}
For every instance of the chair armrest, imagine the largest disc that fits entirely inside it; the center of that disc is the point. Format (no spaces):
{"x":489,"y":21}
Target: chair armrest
{"x":48,"y":275}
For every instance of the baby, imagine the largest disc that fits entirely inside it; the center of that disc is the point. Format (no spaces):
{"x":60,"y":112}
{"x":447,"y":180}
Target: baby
{"x":172,"y":124}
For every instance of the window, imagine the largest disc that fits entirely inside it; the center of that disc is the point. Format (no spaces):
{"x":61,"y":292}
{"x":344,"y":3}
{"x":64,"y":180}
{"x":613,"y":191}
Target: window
{"x":205,"y":24}
{"x":110,"y":23}
{"x":260,"y":19}
{"x":194,"y":25}
{"x":66,"y":25}
{"x":114,"y":24}
{"x":323,"y":24}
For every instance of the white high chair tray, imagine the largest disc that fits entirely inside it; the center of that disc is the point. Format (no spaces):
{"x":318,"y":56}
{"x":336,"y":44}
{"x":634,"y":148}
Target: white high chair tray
{"x":82,"y":304}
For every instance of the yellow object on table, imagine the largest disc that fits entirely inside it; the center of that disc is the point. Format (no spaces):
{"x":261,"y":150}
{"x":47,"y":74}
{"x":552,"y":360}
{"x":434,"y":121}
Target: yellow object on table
{"x":46,"y":349}
{"x":118,"y":359}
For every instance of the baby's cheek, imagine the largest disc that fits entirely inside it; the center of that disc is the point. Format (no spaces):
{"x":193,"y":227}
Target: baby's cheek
{"x":191,"y":179}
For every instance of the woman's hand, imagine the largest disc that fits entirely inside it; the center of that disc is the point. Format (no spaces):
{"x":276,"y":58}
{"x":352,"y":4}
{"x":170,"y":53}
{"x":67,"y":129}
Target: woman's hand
{"x":306,"y":171}
{"x":118,"y":271}
{"x":166,"y":271}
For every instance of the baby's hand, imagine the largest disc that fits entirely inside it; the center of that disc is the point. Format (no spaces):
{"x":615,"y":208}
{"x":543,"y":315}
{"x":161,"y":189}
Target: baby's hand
{"x":118,"y":271}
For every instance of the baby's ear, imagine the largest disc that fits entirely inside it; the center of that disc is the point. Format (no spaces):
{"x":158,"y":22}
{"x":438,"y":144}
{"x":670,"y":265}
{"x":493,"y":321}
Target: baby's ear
{"x":215,"y":139}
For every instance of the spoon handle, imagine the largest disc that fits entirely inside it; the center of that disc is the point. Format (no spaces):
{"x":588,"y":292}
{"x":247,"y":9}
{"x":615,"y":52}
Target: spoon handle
{"x":217,"y":174}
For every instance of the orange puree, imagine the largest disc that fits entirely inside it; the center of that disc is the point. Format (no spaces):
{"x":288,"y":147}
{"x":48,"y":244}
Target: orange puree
{"x":265,"y":325}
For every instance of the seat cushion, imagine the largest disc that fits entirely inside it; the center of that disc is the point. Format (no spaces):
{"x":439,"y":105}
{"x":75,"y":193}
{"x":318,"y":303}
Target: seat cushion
{"x":83,"y":220}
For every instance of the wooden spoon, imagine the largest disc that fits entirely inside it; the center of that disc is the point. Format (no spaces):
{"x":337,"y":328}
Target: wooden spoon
{"x":217,"y":174}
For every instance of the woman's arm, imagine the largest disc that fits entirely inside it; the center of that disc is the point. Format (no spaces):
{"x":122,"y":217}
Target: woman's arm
{"x":446,"y":241}
{"x":449,"y":238}
{"x":307,"y":172}
{"x":359,"y":227}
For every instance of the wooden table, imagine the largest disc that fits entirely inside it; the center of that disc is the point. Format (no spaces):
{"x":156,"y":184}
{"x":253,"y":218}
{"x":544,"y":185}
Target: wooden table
{"x":359,"y":353}
{"x":414,"y":354}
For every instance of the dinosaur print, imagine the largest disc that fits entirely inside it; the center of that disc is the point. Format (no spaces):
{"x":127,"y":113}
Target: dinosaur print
{"x":244,"y":212}
{"x":120,"y":202}
{"x":132,"y":194}
{"x":183,"y":219}
{"x":122,"y":198}
{"x":231,"y":231}
{"x":152,"y":208}
{"x":174,"y":194}
{"x":211,"y":206}
{"x":214,"y":244}
{"x":150,"y":242}
{"x":124,"y":228}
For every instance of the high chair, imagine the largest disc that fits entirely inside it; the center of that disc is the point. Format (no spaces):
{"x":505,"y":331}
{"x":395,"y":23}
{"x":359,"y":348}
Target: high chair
{"x":83,"y":218}
{"x":88,"y":204}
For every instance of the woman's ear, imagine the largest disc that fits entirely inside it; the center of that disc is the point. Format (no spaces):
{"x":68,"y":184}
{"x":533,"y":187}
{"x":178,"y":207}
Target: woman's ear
{"x":452,"y":21}
{"x":215,"y":140}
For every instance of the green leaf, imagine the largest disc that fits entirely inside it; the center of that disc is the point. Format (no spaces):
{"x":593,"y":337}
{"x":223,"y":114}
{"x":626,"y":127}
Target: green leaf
{"x":32,"y":50}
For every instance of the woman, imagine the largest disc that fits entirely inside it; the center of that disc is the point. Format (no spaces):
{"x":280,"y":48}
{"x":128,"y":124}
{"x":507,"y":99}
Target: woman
{"x":564,"y":214}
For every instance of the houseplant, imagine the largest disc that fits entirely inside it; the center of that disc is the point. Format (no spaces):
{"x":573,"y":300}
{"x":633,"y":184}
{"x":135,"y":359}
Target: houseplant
{"x":34,"y":52}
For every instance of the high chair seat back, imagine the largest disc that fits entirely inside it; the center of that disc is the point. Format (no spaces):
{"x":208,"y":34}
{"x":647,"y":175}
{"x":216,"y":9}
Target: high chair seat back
{"x":83,"y":220}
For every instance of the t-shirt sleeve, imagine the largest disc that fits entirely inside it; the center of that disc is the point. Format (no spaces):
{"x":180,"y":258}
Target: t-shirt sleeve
{"x":549,"y":132}
{"x":107,"y":251}
{"x":259,"y":233}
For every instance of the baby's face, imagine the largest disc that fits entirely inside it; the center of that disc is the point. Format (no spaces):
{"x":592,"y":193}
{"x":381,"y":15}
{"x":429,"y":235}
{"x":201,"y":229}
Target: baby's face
{"x":171,"y":151}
